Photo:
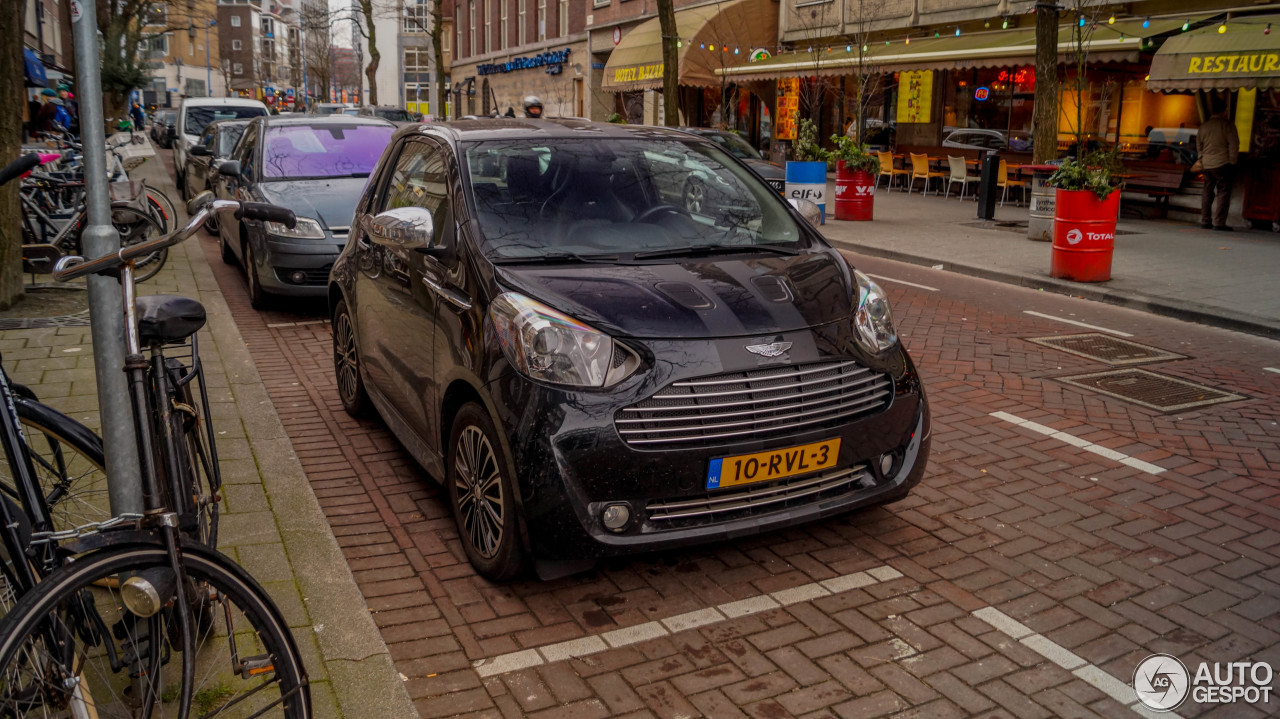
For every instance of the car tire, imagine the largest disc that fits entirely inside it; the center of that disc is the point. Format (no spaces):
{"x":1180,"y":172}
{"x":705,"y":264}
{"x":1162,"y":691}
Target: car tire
{"x":480,"y":492}
{"x":179,"y":177}
{"x":224,"y":249}
{"x":257,"y":297}
{"x":694,"y":196}
{"x":346,"y":363}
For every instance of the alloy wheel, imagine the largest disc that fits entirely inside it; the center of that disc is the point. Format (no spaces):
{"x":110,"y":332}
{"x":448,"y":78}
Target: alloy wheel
{"x":478,"y":490}
{"x":695,"y":195}
{"x":345,"y":359}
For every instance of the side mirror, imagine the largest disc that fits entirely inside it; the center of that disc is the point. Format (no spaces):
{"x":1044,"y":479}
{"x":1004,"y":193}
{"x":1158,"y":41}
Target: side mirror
{"x":405,"y":228}
{"x":808,"y":209}
{"x":199,"y":201}
{"x":200,"y":151}
{"x":229,"y":168}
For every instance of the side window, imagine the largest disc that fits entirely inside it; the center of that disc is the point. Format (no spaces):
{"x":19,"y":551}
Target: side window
{"x":245,"y":151}
{"x":421,"y":179}
{"x":207,"y":139}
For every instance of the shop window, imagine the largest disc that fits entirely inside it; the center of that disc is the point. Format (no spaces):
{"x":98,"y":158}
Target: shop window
{"x":1154,"y":126}
{"x":998,"y":101}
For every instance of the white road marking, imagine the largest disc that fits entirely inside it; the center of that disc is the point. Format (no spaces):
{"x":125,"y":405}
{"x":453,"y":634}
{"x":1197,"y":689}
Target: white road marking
{"x":625,"y":636}
{"x":1075,"y":441}
{"x":902,"y":282}
{"x":1265,"y":369}
{"x":1065,"y":658}
{"x":295,"y":324}
{"x":1086,"y":325}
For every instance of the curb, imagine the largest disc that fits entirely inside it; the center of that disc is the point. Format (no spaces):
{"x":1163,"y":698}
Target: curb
{"x":1188,"y":311}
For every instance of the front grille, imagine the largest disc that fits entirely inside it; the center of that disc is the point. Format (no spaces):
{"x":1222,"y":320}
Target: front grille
{"x":310,"y":276}
{"x":753,"y":499}
{"x":722,"y":408}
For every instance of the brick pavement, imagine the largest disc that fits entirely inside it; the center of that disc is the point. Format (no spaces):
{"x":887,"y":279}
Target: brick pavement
{"x":1103,"y":560}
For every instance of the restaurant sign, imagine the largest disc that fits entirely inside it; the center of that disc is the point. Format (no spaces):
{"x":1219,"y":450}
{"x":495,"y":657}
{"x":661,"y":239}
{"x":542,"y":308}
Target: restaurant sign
{"x":915,"y":96}
{"x":1253,"y":63}
{"x":552,"y":60}
{"x":638,"y":73}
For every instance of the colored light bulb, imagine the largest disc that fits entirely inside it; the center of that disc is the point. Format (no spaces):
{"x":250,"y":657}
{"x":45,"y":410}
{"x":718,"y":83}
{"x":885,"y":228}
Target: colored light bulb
{"x":1146,"y":23}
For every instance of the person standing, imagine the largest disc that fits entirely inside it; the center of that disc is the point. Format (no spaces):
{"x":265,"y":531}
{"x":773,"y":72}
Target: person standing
{"x":1218,"y":147}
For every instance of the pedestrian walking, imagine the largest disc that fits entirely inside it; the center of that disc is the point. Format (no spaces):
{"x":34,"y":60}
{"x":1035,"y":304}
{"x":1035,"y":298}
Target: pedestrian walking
{"x":139,"y":119}
{"x":1218,"y":147}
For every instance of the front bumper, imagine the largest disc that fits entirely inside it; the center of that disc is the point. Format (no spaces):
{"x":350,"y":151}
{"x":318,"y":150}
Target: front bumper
{"x":571,"y":461}
{"x":299,"y":268}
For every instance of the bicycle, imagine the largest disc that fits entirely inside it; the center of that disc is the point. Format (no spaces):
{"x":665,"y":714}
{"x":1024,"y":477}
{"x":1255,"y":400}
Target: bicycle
{"x":93,"y":637}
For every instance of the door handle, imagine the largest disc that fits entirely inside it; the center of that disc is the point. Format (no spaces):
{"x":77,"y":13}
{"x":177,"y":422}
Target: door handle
{"x":452,"y":296}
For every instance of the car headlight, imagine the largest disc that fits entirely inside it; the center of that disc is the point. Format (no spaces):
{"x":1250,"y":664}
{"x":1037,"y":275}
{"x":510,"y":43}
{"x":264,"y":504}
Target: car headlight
{"x":872,"y":321}
{"x":549,"y":346}
{"x":306,"y":229}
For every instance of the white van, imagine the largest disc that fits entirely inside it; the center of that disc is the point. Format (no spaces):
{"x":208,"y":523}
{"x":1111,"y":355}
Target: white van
{"x":195,"y":114}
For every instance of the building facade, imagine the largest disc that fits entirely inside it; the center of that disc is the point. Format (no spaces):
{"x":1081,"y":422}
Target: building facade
{"x":262,"y":45}
{"x":182,"y":53}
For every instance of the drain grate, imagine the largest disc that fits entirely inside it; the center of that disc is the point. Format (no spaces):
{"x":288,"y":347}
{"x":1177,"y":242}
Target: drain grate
{"x":1154,"y":391}
{"x":80,"y":319}
{"x":1106,"y":348}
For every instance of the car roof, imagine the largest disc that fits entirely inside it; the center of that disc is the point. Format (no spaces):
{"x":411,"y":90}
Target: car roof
{"x":519,"y":128}
{"x":225,"y":101}
{"x":283,"y":120}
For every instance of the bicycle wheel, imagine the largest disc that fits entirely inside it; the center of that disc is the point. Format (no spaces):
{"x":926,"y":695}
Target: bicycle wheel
{"x":70,"y":649}
{"x":135,"y":227}
{"x":194,"y":457}
{"x":163,"y":209}
{"x":69,"y":465}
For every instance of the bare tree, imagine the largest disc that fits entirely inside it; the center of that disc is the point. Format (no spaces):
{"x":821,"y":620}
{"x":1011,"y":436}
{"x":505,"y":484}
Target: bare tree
{"x":868,"y":77}
{"x":315,"y":27}
{"x":1044,"y":118}
{"x":11,"y":96}
{"x":368,"y":10}
{"x":433,"y":30}
{"x":1085,"y":16}
{"x":670,"y":63}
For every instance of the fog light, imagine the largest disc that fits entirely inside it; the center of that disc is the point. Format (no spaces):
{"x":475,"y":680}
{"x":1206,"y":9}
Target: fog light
{"x":886,"y":465}
{"x":615,"y":517}
{"x":298,"y":277}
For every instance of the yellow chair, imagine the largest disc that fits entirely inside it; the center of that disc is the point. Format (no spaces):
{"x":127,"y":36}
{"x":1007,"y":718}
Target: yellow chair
{"x":1002,"y":181}
{"x":920,"y":171}
{"x":888,"y":170}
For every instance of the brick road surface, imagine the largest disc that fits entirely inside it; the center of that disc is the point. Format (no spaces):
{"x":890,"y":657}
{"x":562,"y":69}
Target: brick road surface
{"x":1090,"y":564}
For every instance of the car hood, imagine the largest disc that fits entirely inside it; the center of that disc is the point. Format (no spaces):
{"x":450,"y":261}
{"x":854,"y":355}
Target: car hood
{"x":712,"y":297}
{"x":332,"y":201}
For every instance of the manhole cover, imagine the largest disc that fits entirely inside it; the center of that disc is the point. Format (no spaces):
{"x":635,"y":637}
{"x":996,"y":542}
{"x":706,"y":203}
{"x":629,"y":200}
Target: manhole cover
{"x":1106,"y":348}
{"x":1151,"y":390}
{"x":80,"y":319}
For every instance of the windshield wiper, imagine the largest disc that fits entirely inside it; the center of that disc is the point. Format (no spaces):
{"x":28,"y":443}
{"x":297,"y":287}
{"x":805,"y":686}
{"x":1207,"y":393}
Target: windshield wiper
{"x":554,"y":257}
{"x":702,"y":250}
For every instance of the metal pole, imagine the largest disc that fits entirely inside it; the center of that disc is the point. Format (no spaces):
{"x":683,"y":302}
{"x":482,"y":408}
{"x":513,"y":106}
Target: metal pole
{"x":106,"y":308}
{"x":302,"y":34}
{"x":208,"y":71}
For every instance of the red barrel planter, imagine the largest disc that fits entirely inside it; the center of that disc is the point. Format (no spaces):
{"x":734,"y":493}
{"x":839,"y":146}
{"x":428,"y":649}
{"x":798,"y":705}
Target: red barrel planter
{"x":1084,"y":235}
{"x":855,"y":193}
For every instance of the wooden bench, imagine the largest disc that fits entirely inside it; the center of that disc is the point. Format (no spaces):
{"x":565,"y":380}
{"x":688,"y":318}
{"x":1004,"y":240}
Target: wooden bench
{"x":1159,"y":181}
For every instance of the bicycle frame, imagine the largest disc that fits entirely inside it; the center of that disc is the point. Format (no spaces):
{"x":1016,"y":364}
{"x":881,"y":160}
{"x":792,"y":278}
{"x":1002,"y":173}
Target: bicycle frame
{"x":14,"y":441}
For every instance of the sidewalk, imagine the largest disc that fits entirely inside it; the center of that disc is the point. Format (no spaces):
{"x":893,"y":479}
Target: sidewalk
{"x":1161,"y":266}
{"x":271,"y":522}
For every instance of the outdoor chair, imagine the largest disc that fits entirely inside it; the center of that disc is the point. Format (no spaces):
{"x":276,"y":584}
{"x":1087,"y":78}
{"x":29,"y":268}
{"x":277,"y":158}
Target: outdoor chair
{"x":1002,"y":181}
{"x":920,"y":171}
{"x":960,"y":174}
{"x":888,"y":170}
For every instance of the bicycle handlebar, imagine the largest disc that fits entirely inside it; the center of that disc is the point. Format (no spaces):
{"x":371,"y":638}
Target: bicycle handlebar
{"x":18,"y":167}
{"x":71,"y":267}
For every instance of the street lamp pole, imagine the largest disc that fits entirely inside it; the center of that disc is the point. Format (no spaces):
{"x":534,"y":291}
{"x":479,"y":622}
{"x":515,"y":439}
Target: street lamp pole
{"x":208,"y":71}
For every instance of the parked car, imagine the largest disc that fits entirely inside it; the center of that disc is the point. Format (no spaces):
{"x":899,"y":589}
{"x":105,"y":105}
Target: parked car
{"x":215,"y":144}
{"x":330,"y":108}
{"x":989,"y":140}
{"x":161,"y":124}
{"x":771,"y":173}
{"x":315,"y":166}
{"x":395,"y":115}
{"x":590,"y":370}
{"x":195,"y":114}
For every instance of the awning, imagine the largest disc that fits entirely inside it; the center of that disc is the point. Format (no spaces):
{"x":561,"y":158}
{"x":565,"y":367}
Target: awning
{"x":33,"y":68}
{"x":1117,"y":42}
{"x":1244,"y":56}
{"x":732,"y":29}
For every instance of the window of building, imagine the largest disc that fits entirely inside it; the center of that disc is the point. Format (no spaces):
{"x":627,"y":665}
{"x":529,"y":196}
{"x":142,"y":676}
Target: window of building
{"x":503,"y":36}
{"x":446,"y":42}
{"x":488,"y":27}
{"x":542,"y":20}
{"x":235,"y":21}
{"x":564,"y":18}
{"x":471,"y":27}
{"x":158,"y":46}
{"x":524,"y":24}
{"x":417,"y":16}
{"x":237,"y":45}
{"x":237,"y":69}
{"x":416,"y":59}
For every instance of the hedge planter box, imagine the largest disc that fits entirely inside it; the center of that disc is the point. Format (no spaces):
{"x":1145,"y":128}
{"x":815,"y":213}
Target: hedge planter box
{"x":808,"y":181}
{"x":855,"y":193}
{"x":1084,"y":235}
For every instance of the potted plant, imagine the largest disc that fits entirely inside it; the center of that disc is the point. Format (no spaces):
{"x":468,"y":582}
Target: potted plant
{"x":807,"y":173}
{"x":1086,"y":205}
{"x":856,"y":171}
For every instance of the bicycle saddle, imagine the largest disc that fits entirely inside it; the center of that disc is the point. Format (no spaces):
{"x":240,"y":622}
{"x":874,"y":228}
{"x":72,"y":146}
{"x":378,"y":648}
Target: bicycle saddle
{"x":168,"y":318}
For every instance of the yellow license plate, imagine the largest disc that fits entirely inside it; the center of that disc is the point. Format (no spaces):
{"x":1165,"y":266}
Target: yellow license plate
{"x":775,"y":464}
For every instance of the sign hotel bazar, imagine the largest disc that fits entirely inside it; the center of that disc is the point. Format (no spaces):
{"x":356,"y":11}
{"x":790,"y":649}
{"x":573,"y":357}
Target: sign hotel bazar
{"x":552,"y":60}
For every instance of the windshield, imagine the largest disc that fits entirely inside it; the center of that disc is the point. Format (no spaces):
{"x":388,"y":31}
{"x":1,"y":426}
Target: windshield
{"x":584,"y":197}
{"x":737,"y":146}
{"x":394,"y":115}
{"x":228,"y":137}
{"x":198,"y":118}
{"x":350,"y":111}
{"x":295,"y":152}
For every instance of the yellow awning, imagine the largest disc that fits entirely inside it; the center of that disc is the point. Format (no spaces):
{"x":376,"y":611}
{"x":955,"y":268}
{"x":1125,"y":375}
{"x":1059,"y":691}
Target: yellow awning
{"x":1205,"y":59}
{"x":733,"y":29}
{"x":1118,"y":42}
